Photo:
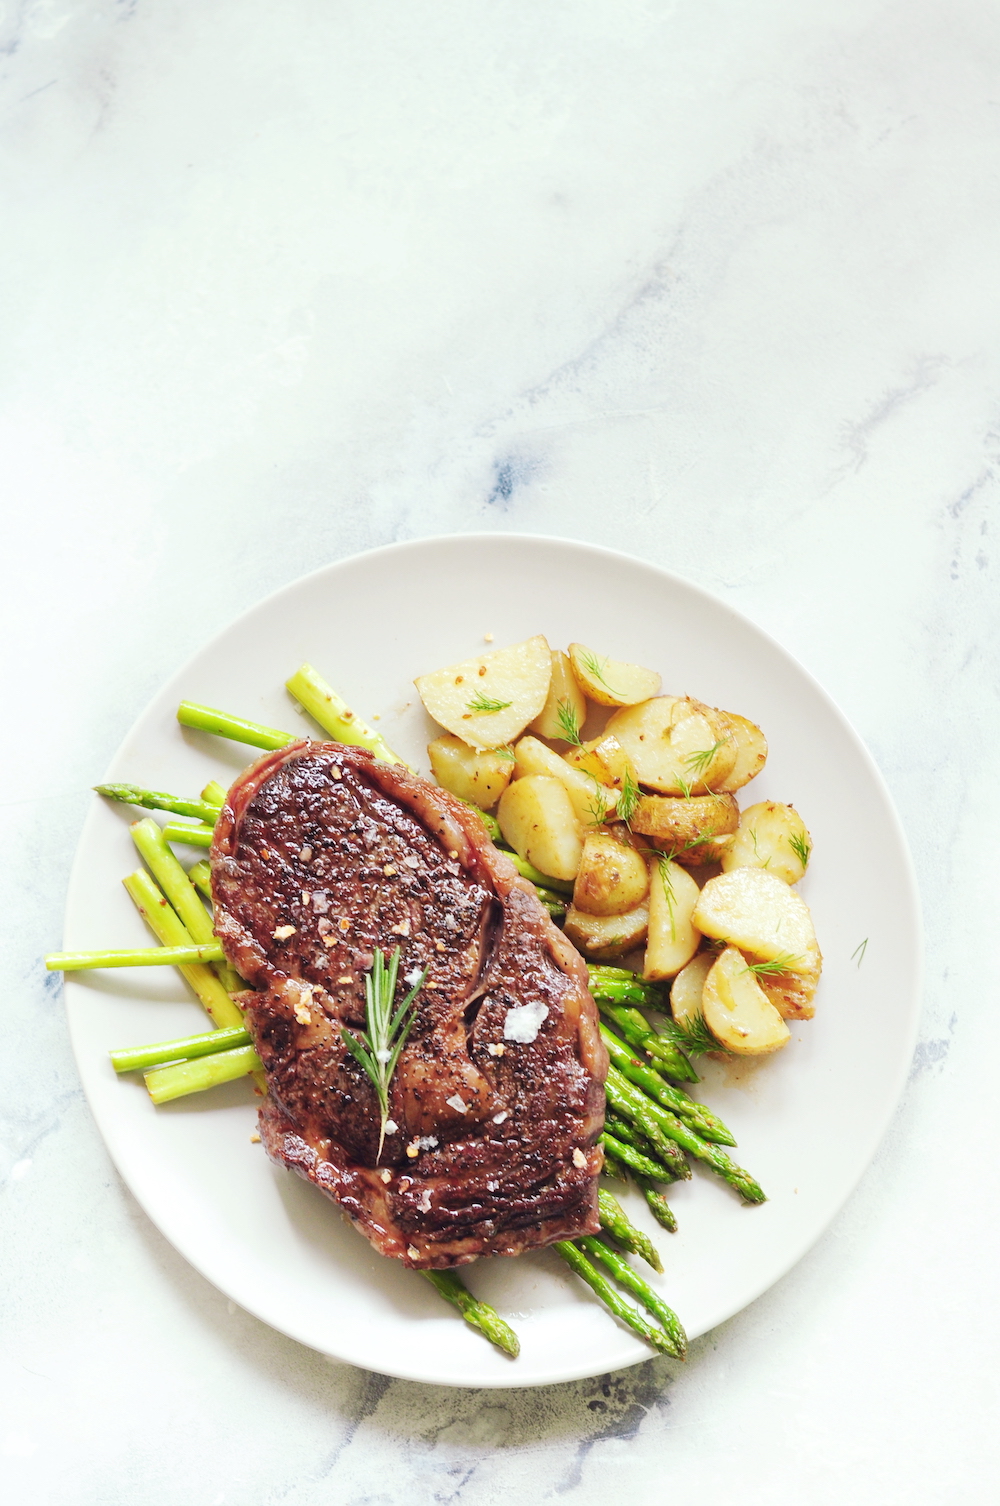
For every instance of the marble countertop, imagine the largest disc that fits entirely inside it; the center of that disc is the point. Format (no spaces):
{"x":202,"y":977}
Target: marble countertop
{"x":715,"y":284}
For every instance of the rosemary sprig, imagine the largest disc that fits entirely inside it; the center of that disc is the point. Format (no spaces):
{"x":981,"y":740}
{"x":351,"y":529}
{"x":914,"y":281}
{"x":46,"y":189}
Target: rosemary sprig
{"x":378,"y":1049}
{"x":692,"y":1035}
{"x":482,"y":705}
{"x":801,"y":848}
{"x":628,"y":799}
{"x":569,"y":727}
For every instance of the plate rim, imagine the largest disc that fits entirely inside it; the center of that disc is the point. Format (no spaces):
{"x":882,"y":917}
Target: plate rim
{"x":633,"y":1350}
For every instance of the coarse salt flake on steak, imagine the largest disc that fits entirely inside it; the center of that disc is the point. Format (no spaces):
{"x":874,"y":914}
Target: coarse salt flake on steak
{"x":323,"y":854}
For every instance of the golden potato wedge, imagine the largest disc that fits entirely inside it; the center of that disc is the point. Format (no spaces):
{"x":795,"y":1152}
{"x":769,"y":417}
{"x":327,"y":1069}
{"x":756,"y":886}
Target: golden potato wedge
{"x":758,"y":912}
{"x":751,"y":752}
{"x":685,"y":827}
{"x":611,"y":682}
{"x":737,"y":1010}
{"x":565,"y":709}
{"x":770,"y":836}
{"x":479,"y":776}
{"x":489,"y":700}
{"x":686,"y":989}
{"x":605,"y":937}
{"x":537,"y":818}
{"x":612,"y":879}
{"x":676,"y":746}
{"x":792,"y":994}
{"x":673,"y":937}
{"x":592,"y":802}
{"x":604,"y":758}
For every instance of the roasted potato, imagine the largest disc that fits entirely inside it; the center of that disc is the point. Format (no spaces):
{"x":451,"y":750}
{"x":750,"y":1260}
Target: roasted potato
{"x":537,"y":818}
{"x":676,"y":746}
{"x":686,"y":827}
{"x":611,"y":682}
{"x":686,"y":989}
{"x":770,"y":836}
{"x":605,"y":937}
{"x":604,"y":758}
{"x":489,"y":700}
{"x":737,"y":1010}
{"x":673,"y":938}
{"x":758,"y":912}
{"x":792,"y":994}
{"x":477,"y":776}
{"x":751,"y":752}
{"x":612,"y":879}
{"x":565,"y":709}
{"x":593,"y":802}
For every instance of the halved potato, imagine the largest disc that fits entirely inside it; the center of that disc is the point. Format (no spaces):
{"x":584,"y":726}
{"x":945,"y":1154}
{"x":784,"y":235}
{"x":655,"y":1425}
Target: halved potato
{"x":770,"y":836}
{"x":612,"y":878}
{"x":605,"y":937}
{"x":673,"y":937}
{"x":677,"y":746}
{"x":685,"y":827}
{"x":611,"y":682}
{"x":604,"y":758}
{"x":758,"y":912}
{"x":792,"y":994}
{"x":686,"y":989}
{"x":737,"y":1010}
{"x":474,"y":775}
{"x":751,"y":751}
{"x":593,"y":802}
{"x":565,"y":706}
{"x":489,"y":700}
{"x":537,"y":818}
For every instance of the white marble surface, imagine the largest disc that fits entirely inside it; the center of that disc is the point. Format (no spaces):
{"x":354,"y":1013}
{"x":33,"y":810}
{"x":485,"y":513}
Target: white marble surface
{"x":713,"y":283}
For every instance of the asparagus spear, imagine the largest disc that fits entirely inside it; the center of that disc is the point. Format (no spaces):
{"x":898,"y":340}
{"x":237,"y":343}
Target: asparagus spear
{"x":182,"y":894}
{"x":578,"y":1262}
{"x":632,"y":1104}
{"x":616,"y":1222}
{"x":696,"y":1115}
{"x":168,"y":928}
{"x":207,"y":719}
{"x":542,"y":880}
{"x":156,"y":800}
{"x":623,"y":1272}
{"x":147,"y":956}
{"x":490,"y":822}
{"x":200,"y":875}
{"x":479,"y":1315}
{"x":138,"y":1058}
{"x":334,"y":715}
{"x":658,"y":1205}
{"x":214,"y":794}
{"x":180,"y":1078}
{"x":628,"y":1102}
{"x":636,"y":1030}
{"x":192,"y":836}
{"x":635,"y":1160}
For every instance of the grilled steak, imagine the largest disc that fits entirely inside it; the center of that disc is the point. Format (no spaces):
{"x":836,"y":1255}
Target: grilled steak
{"x":322,"y":854}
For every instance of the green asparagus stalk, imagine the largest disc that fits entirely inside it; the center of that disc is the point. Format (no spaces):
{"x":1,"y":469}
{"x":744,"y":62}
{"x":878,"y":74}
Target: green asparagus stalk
{"x":236,"y":728}
{"x":166,"y":926}
{"x":200,"y":875}
{"x":542,"y":880}
{"x":334,"y":715}
{"x":601,"y":1286}
{"x":616,"y":1222}
{"x":181,"y":1078}
{"x":182,"y":894}
{"x":634,"y":1159}
{"x":138,"y":1058}
{"x":628,"y":1101}
{"x":214,"y":794}
{"x":479,"y":1315}
{"x":147,"y":956}
{"x":636,"y":1030}
{"x":696,"y":1115}
{"x":623,"y":1273}
{"x":658,"y":1205}
{"x":189,"y":836}
{"x":156,"y":800}
{"x":489,"y":821}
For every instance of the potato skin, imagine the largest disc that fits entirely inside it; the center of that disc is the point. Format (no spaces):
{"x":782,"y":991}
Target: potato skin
{"x":612,"y":878}
{"x":751,"y":751}
{"x":683,"y":827}
{"x":793,"y":994}
{"x":770,"y":836}
{"x":605,"y":937}
{"x":479,"y":777}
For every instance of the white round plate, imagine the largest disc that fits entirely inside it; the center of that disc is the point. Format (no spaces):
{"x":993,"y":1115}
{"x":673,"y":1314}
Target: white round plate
{"x":807,"y":1120}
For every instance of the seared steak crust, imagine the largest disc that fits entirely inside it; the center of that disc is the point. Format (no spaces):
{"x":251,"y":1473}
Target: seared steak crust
{"x":323,"y":853}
